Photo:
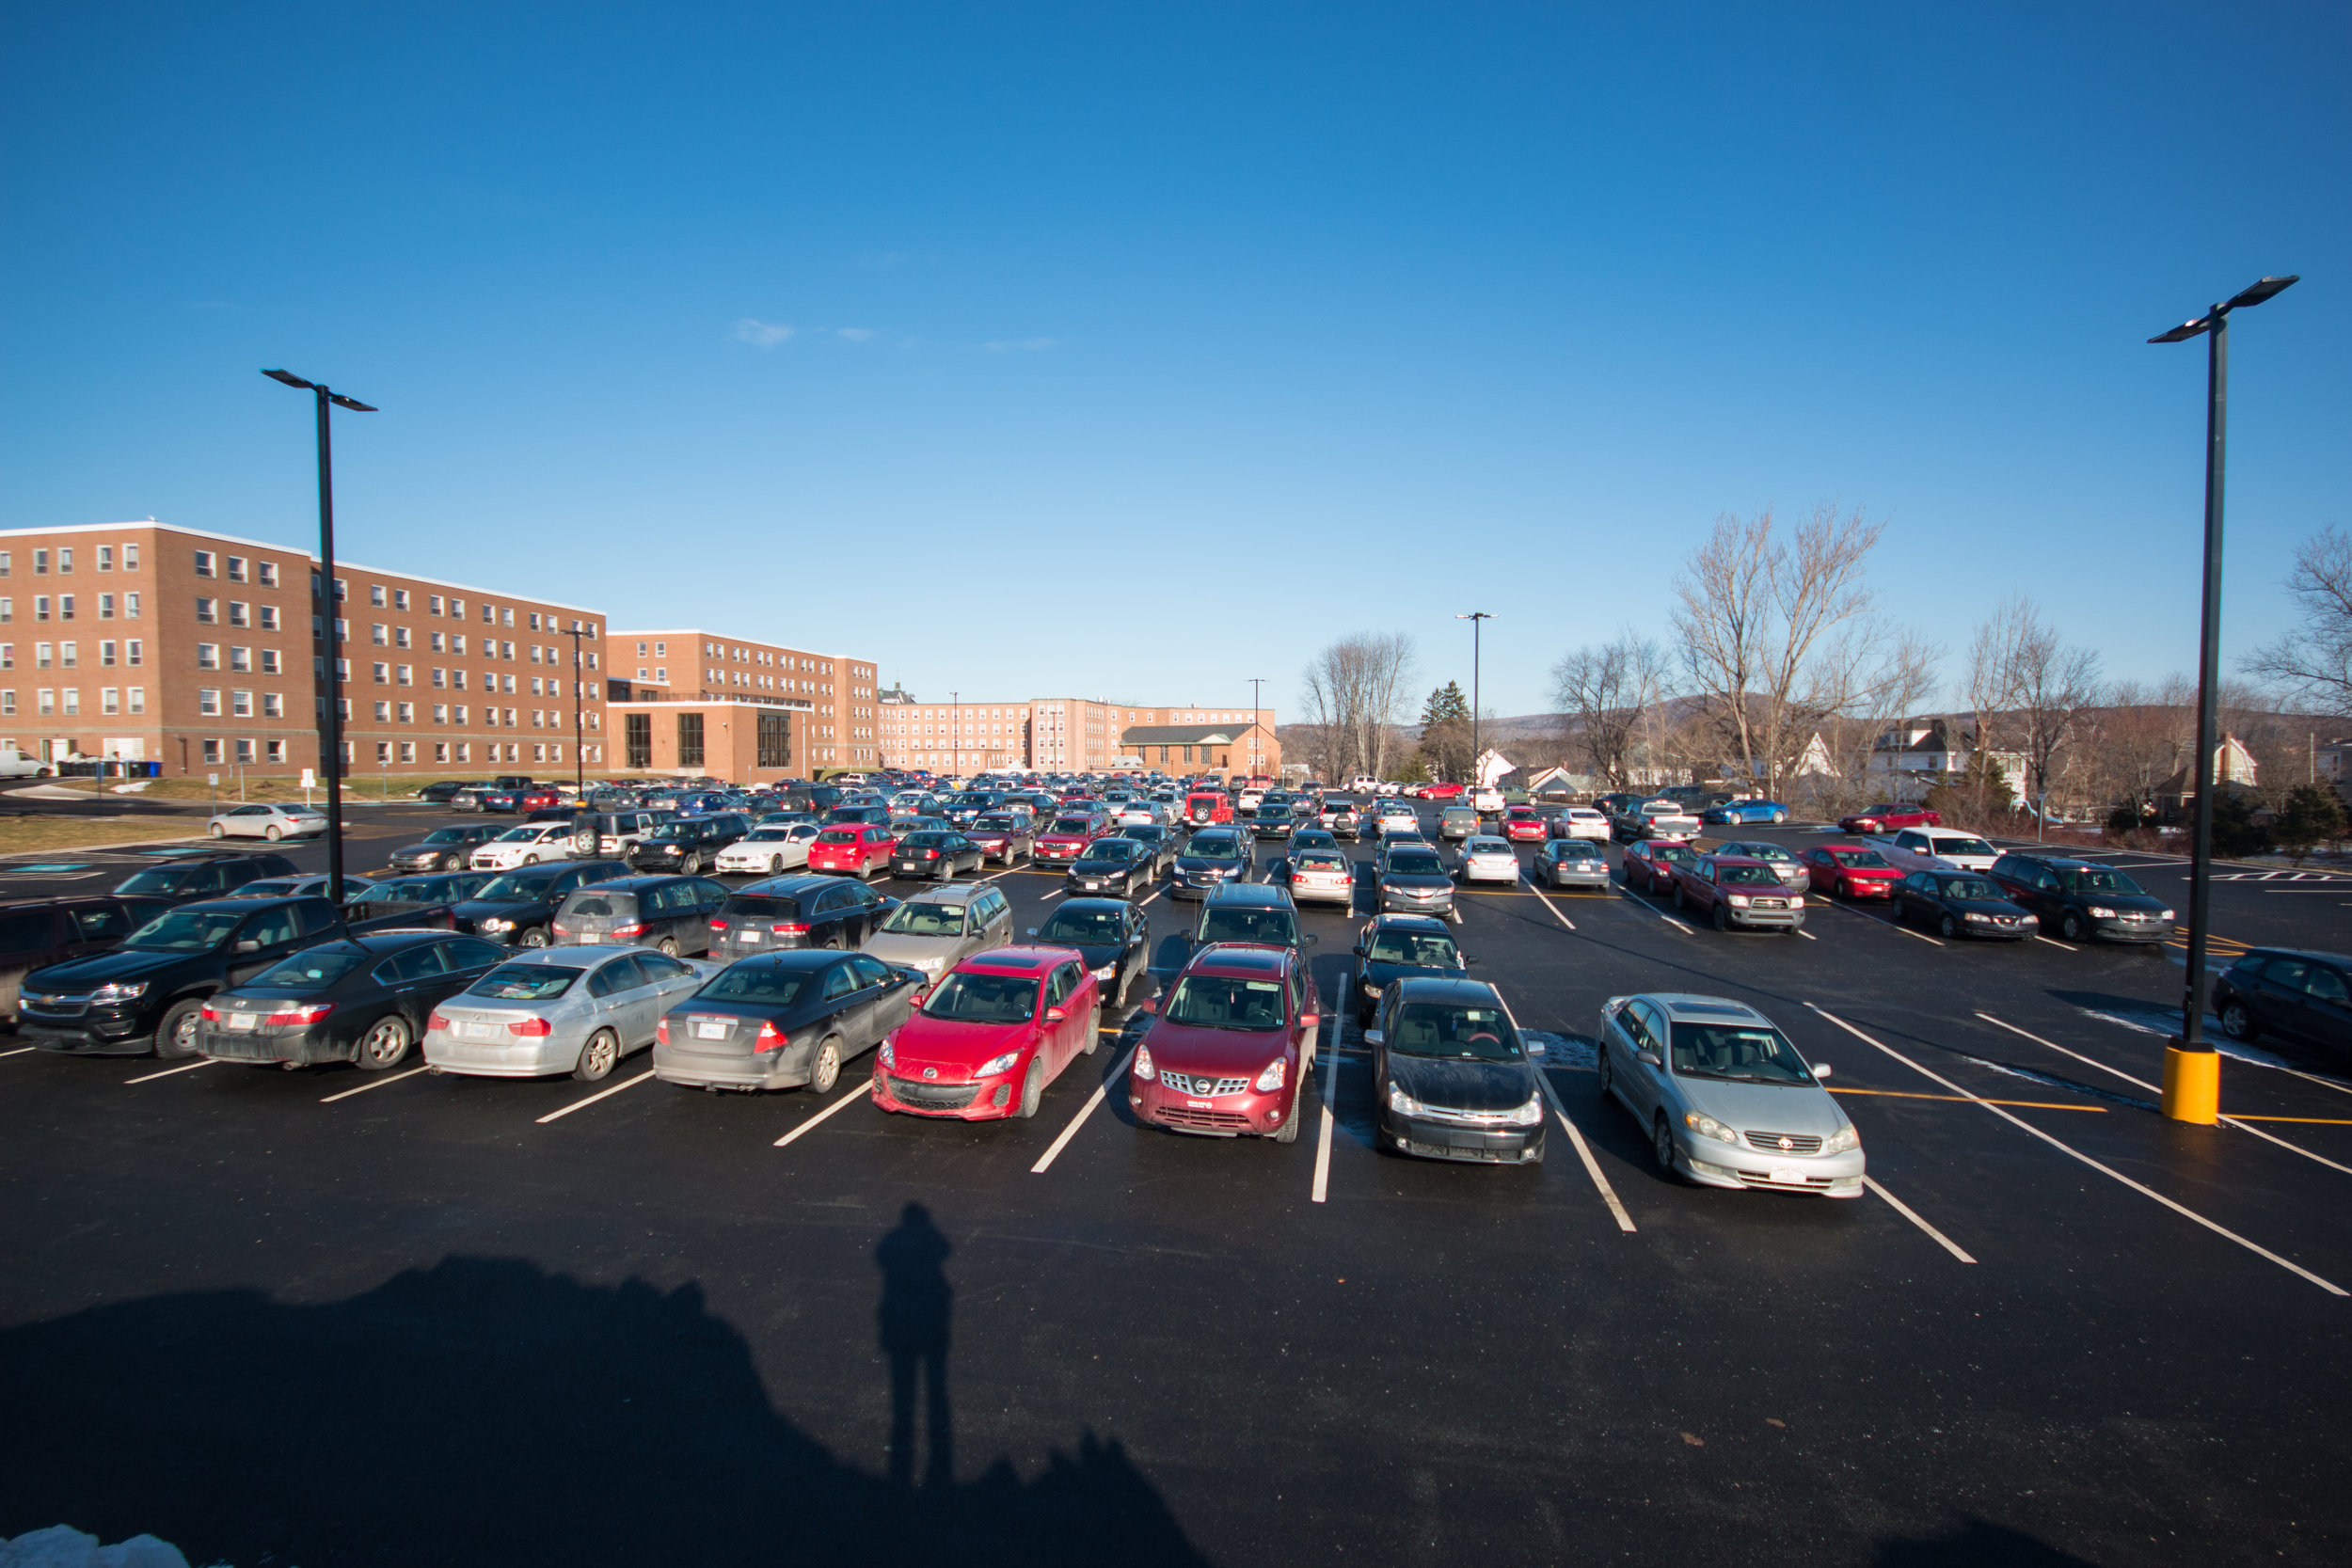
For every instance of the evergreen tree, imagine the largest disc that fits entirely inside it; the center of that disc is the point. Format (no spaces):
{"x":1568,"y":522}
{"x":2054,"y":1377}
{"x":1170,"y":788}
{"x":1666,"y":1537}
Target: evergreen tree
{"x":2310,"y":816}
{"x":1445,"y":732}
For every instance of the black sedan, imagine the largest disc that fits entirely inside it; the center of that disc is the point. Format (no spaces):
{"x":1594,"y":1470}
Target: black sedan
{"x":1393,"y":947}
{"x":1158,"y":842}
{"x":364,"y":999}
{"x":1272,"y":819}
{"x":783,"y":1020}
{"x":1215,"y":855}
{"x":443,"y":849}
{"x":1108,"y":865}
{"x":1451,"y":1077}
{"x":936,"y":853}
{"x":2288,"y":993}
{"x":1114,"y":936}
{"x":517,"y":906}
{"x":1961,"y":904}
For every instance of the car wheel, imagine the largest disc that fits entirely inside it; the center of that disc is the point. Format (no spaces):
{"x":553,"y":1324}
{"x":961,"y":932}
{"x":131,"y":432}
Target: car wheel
{"x":1948,"y":928}
{"x":667,"y":946}
{"x":215,"y":828}
{"x":535,"y":937}
{"x":2071,"y":926}
{"x":775,"y":864}
{"x":2237,"y":1023}
{"x":452,"y":862}
{"x":1723,"y":917}
{"x":273,"y":833}
{"x":692,"y":864}
{"x":1680,"y":902}
{"x":1288,"y":1131}
{"x":598,"y":1058}
{"x":1603,"y":1071}
{"x":385,"y":1044}
{"x":1662,"y":1145}
{"x":1779,"y":816}
{"x":530,"y":859}
{"x":175,"y":1037}
{"x":824,"y":1070}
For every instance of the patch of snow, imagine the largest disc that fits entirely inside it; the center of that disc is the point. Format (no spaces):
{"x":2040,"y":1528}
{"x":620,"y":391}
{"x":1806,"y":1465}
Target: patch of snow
{"x":133,"y":787}
{"x":2166,"y":1023}
{"x":1569,"y":1050}
{"x":63,"y":1547}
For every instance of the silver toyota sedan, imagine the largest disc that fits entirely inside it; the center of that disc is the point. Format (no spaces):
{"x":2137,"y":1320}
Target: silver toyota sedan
{"x":560,"y":1009}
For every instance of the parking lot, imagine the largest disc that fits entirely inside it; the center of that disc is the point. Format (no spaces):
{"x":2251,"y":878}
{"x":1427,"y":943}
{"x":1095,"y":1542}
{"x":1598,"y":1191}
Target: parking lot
{"x":341,"y":1316}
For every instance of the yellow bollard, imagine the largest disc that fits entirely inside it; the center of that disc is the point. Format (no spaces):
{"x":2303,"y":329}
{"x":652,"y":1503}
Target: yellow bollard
{"x":2192,"y":1085}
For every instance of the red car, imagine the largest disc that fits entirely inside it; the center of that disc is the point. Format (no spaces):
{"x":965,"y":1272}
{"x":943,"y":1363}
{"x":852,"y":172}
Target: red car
{"x":1230,"y":1046}
{"x":1649,"y":866}
{"x":1068,"y":838}
{"x":852,"y":849}
{"x":990,"y":1036}
{"x":1735,"y":889}
{"x":1206,"y":807}
{"x":1437,"y":792}
{"x":538,"y":797}
{"x":1889,"y":815}
{"x":1523,"y":823}
{"x":1850,"y":871}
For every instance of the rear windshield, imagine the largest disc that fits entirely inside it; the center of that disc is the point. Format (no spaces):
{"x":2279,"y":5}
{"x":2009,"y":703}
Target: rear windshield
{"x":984,"y":999}
{"x":837,"y":836}
{"x":1575,"y":849}
{"x":315,"y":970}
{"x":763,"y":906}
{"x":525,"y":982}
{"x":922,"y":918}
{"x":160,"y":879}
{"x":601,"y":905}
{"x":521,"y":884}
{"x":1312,"y":862}
{"x":765,"y":983}
{"x":926,"y":839}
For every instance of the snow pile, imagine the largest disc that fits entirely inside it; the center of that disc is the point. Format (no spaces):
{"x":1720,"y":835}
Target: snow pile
{"x":1567,"y":1051}
{"x":63,"y":1547}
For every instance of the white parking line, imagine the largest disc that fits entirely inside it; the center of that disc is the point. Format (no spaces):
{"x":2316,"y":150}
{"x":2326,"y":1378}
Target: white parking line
{"x":19,"y":1051}
{"x":862,"y":1092}
{"x":376,"y":1084}
{"x":167,"y":1072}
{"x":2182,"y":1209}
{"x":1323,"y":1139}
{"x":1584,"y":1153}
{"x":2139,"y":1083}
{"x":1642,"y":903}
{"x":1908,"y":1212}
{"x":2250,"y":1060}
{"x":2062,"y":946}
{"x":1549,"y":905}
{"x":1155,"y":892}
{"x":1102,"y":1092}
{"x":1055,"y":892}
{"x":600,"y":1094}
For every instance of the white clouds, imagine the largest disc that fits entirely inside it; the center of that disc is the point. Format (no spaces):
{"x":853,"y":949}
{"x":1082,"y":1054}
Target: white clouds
{"x":761,"y":334}
{"x":1020,"y":345}
{"x":855,"y":334}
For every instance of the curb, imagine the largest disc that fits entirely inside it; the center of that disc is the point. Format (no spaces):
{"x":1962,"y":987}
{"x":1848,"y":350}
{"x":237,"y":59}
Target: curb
{"x":101,"y":849}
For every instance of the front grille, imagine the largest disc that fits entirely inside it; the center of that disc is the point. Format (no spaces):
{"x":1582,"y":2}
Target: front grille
{"x":1767,"y":1183}
{"x":57,"y":1006}
{"x":1785,"y":1143}
{"x":1212,"y":1121}
{"x":1768,"y":903}
{"x":1463,"y":1151}
{"x":1202,"y":1089}
{"x":933,"y":1096}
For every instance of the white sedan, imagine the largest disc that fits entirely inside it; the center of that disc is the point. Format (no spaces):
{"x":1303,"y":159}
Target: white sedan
{"x":527,"y":845}
{"x":770,"y":849}
{"x":1581,"y":822}
{"x":1487,"y":859}
{"x":272,"y":822}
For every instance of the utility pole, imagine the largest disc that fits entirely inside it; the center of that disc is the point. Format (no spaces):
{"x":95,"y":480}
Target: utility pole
{"x":579,"y":763}
{"x":1475,"y":618}
{"x":1255,"y":682}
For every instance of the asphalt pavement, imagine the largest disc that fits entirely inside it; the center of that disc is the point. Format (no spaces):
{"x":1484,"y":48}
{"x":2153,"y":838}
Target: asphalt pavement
{"x":321,"y":1317}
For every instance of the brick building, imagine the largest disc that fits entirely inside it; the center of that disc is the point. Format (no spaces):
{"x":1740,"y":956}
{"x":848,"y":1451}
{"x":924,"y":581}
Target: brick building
{"x":753,"y":709}
{"x":1074,"y":735}
{"x":204,"y":651}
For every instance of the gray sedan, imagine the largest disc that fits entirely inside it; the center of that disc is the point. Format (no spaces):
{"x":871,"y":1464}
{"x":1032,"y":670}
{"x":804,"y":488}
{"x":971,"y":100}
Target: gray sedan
{"x":1726,"y":1100}
{"x":559,"y":1009}
{"x":1570,"y":862}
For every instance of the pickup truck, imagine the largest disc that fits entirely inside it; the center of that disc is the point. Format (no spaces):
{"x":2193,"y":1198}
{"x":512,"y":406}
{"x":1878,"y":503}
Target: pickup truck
{"x":148,"y":994}
{"x":1935,"y":849}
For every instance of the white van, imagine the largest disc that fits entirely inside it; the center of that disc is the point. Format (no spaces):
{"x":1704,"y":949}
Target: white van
{"x":16,"y":765}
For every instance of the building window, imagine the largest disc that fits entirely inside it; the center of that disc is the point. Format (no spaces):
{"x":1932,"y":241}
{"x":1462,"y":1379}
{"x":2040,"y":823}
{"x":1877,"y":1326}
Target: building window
{"x":204,"y":568}
{"x":383,"y":751}
{"x":383,"y":674}
{"x":638,"y":739}
{"x":269,"y":662}
{"x":400,"y":637}
{"x":211,"y":750}
{"x":407,"y":713}
{"x":208,"y":610}
{"x":130,"y":607}
{"x":244,"y":751}
{"x":269,"y":617}
{"x":379,"y":634}
{"x":689,"y":741}
{"x":440,"y":713}
{"x":376,"y":594}
{"x":208,"y":701}
{"x":241,"y":705}
{"x":240,"y":614}
{"x":208,"y":656}
{"x":7,"y":609}
{"x":240,"y":660}
{"x":433,"y":605}
{"x":457,"y":716}
{"x":273,"y":704}
{"x":65,"y":607}
{"x":406,"y":675}
{"x":268,"y":575}
{"x":137,"y":694}
{"x":400,"y":598}
{"x":383,"y":713}
{"x":236,"y":565}
{"x":8,"y":703}
{"x":274,"y":750}
{"x":464,"y":752}
{"x":539,"y":753}
{"x":41,"y":607}
{"x":775,"y":740}
{"x":441,"y":750}
{"x":106,"y":607}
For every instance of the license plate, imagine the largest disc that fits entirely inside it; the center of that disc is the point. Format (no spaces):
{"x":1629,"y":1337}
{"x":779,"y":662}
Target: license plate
{"x":1090,"y":886}
{"x":712,"y":1031}
{"x":482,"y":1031}
{"x":747,"y":936}
{"x":243,"y":1021}
{"x":1788,"y":1175}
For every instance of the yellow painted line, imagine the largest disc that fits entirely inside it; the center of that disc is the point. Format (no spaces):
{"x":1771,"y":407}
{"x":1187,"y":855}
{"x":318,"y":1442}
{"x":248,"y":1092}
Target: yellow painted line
{"x":1964,"y":1100}
{"x":2318,"y":1122}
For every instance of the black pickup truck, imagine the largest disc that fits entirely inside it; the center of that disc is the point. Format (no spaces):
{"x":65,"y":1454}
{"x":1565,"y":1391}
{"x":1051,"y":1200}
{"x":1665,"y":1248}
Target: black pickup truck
{"x":148,"y":994}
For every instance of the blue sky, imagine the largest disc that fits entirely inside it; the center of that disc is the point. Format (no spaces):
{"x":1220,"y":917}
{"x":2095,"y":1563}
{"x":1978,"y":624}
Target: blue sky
{"x":1138,"y":350}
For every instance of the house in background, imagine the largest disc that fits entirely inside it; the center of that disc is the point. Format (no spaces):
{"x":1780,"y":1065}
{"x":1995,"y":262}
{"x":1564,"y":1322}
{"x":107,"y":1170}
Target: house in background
{"x":1913,"y":754}
{"x":2233,"y":769}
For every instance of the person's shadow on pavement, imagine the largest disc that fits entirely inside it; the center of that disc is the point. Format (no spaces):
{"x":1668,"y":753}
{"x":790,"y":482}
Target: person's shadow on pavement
{"x":916,"y":1303}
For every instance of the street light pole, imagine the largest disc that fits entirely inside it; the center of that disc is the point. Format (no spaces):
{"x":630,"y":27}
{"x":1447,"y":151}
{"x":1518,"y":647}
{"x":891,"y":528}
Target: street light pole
{"x":1255,"y":682}
{"x":1475,"y":618}
{"x":2192,"y":1069}
{"x":332,"y":739}
{"x":580,"y":762}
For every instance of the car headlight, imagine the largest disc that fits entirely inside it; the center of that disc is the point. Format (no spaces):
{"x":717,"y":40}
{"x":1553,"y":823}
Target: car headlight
{"x":1143,"y":1064}
{"x":887,"y":1055}
{"x":1845,"y":1138}
{"x":1974,"y":915}
{"x":1403,"y":1104}
{"x":1737,"y":900}
{"x":1708,"y":1127}
{"x":495,"y":925}
{"x":1108,"y":971}
{"x":1274,"y":1075}
{"x":2165,"y":914}
{"x":930,"y":966}
{"x":1527,"y":1115}
{"x":1371,"y":990}
{"x":2098,"y":912}
{"x":120,"y":990}
{"x":995,"y":1065}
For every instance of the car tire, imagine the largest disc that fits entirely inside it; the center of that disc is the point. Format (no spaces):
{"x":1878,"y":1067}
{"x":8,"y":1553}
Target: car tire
{"x":215,"y":828}
{"x":385,"y":1045}
{"x":273,"y":833}
{"x":1661,"y":1147}
{"x":1948,"y":928}
{"x":2237,"y":1023}
{"x":452,"y":862}
{"x":1288,"y":1131}
{"x":599,"y":1058}
{"x":530,"y":859}
{"x":667,"y":948}
{"x":775,"y":865}
{"x":1721,"y":916}
{"x":692,"y":864}
{"x":535,"y":937}
{"x":1779,"y":817}
{"x":1604,"y":1074}
{"x":1679,"y":901}
{"x":1032,"y":1090}
{"x":2070,"y":926}
{"x":175,"y":1033}
{"x":824,"y":1068}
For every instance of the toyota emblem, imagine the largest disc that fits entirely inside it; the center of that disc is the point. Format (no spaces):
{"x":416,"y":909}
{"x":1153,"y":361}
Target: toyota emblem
{"x":1787,"y":1141}
{"x":933,"y":1072}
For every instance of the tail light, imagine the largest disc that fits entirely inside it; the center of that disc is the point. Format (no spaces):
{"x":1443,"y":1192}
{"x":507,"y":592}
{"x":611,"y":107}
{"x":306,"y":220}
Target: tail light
{"x":437,"y":1023}
{"x":771,"y":1037}
{"x":302,"y":1016}
{"x":635,"y":929}
{"x":930,"y":854}
{"x":559,"y":931}
{"x":211,"y":1015}
{"x":792,"y":929}
{"x":718,"y":925}
{"x":662,"y":1031}
{"x":531,"y":1028}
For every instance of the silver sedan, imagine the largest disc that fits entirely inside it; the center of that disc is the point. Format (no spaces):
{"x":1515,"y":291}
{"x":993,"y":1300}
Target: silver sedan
{"x":560,"y":1009}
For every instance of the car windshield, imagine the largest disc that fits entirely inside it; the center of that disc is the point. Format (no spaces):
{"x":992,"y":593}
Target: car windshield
{"x":446,"y":835}
{"x":1225,"y":1002}
{"x":521,"y":835}
{"x":1746,"y":875}
{"x":196,"y":930}
{"x":1741,"y":1053}
{"x":525,"y":982}
{"x":1454,"y":1031}
{"x":1272,"y":927}
{"x":766,"y":835}
{"x":160,"y":879}
{"x":517,"y":886}
{"x":314,"y":969}
{"x":1416,"y":862}
{"x":763,"y":982}
{"x":1967,"y":887}
{"x":1214,"y":847}
{"x":926,"y":918}
{"x":1072,"y":824}
{"x":2098,"y":878}
{"x":967,"y":998}
{"x":1866,"y":859}
{"x":1415,"y":947}
{"x":1082,"y":928}
{"x":1962,"y":844}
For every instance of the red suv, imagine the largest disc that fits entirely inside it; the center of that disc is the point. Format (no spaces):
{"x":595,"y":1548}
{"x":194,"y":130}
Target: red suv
{"x":1072,"y":831}
{"x":1230,"y":1045}
{"x":1889,"y":815}
{"x":1733,"y":890}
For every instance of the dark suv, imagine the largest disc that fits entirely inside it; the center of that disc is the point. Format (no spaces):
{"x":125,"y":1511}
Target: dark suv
{"x":672,"y":914}
{"x":2080,"y":899}
{"x":45,"y":931}
{"x":188,"y":877}
{"x":779,"y":913}
{"x":687,"y":845}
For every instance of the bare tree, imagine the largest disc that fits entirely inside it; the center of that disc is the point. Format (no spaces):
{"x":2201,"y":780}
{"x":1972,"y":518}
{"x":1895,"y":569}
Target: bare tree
{"x":2313,"y":663}
{"x":2141,"y":738}
{"x":2031,"y":693}
{"x":1759,"y":612}
{"x":1352,"y":691}
{"x":1607,"y":692}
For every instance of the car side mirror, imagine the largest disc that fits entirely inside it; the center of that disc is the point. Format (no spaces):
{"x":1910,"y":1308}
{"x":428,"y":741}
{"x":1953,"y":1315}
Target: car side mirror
{"x":1032,"y":931}
{"x":1374,"y":1037}
{"x":246,"y":944}
{"x":1358,"y":950}
{"x":1650,"y":1057}
{"x":1055,"y":1015}
{"x":1309,"y":939}
{"x":1820,"y":1070}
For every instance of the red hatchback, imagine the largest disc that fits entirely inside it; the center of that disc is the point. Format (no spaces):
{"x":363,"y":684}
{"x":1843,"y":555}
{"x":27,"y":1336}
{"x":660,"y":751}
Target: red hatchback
{"x":1521,"y":823}
{"x":990,"y":1036}
{"x":1231,"y":1047}
{"x":1850,"y":871}
{"x":1068,"y":838}
{"x":852,"y":849}
{"x":1889,"y":815}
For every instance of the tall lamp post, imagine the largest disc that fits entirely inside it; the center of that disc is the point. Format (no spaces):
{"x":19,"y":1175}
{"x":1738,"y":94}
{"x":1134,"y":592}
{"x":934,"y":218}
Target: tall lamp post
{"x":955,"y":732}
{"x":2192,"y":1069}
{"x":331,"y":744}
{"x":1475,"y":618}
{"x":580,"y":763}
{"x":1255,"y":682}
